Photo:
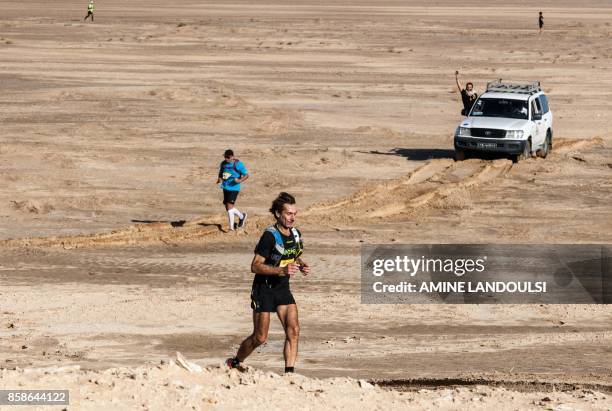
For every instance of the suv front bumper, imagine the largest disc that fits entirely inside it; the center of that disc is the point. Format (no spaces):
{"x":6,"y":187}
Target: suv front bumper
{"x":495,"y":145}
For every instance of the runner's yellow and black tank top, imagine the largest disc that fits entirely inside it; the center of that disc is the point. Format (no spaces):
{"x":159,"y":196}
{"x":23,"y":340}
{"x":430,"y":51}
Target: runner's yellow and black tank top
{"x":278,"y":254}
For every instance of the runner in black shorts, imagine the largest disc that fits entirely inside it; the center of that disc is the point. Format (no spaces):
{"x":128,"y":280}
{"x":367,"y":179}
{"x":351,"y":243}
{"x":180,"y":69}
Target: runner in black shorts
{"x":277,"y":258}
{"x":232,"y":173}
{"x":268,"y":292}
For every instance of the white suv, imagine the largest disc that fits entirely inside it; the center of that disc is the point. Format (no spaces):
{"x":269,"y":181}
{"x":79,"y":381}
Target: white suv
{"x":509,"y":118}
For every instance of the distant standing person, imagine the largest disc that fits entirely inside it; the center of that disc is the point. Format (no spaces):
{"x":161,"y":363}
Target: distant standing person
{"x":90,"y":10}
{"x":277,"y":258}
{"x":541,"y":22}
{"x":468,"y":97}
{"x":232,"y":172}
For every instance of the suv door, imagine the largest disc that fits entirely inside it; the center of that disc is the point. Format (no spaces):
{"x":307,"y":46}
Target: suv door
{"x":537,"y":117}
{"x":547,"y":117}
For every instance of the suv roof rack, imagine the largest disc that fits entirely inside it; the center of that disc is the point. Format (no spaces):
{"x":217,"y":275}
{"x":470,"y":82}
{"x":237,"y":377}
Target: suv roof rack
{"x":500,"y":86}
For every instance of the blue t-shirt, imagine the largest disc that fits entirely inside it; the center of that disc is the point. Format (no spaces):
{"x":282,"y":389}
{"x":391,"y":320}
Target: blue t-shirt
{"x":229,"y":172}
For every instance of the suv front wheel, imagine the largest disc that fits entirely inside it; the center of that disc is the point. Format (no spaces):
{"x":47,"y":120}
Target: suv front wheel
{"x":525,"y":154}
{"x":460,"y":155}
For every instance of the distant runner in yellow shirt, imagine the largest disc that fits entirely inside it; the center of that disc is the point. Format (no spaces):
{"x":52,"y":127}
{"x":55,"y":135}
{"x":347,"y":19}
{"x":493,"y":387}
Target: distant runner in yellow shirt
{"x":90,"y":11}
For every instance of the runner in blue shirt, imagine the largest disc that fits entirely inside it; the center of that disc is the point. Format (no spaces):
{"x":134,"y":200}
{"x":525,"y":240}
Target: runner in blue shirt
{"x":232,"y":172}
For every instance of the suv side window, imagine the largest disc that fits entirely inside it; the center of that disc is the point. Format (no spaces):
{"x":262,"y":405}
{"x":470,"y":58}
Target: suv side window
{"x":544,"y":104}
{"x":535,"y":107}
{"x":538,"y":106}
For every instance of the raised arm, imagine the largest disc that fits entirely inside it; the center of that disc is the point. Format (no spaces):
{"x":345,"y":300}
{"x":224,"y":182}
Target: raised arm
{"x":457,"y":81}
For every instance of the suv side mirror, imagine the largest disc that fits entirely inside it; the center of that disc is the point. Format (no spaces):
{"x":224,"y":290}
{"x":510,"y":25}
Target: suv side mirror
{"x":537,"y":116}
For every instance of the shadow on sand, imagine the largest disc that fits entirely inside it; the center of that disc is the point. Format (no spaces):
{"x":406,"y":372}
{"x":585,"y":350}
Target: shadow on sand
{"x":219,"y":227}
{"x":177,"y":223}
{"x":417,"y":154}
{"x":422,"y":154}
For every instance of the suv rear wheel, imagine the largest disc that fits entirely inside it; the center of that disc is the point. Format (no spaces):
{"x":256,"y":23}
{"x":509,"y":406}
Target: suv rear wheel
{"x":543,"y":152}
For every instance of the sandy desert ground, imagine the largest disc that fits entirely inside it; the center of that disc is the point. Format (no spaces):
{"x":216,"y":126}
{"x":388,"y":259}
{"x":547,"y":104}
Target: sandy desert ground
{"x":110,"y":138}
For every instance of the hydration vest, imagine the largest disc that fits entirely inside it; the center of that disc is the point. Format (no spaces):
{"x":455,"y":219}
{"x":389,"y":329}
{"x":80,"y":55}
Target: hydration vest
{"x":279,"y":248}
{"x":234,"y":167}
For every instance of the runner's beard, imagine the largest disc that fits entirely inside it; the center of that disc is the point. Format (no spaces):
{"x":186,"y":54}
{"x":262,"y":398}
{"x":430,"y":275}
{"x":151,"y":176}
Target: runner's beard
{"x":285,"y":224}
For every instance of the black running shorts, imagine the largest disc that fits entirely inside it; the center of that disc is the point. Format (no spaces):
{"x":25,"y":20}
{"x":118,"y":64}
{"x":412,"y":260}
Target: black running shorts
{"x":266,"y":298}
{"x":229,"y":196}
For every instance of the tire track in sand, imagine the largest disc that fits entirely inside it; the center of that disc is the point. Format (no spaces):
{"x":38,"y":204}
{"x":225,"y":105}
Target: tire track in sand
{"x":439,"y":184}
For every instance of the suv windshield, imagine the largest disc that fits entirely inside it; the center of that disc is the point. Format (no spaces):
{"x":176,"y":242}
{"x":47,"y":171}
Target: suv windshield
{"x":500,"y":107}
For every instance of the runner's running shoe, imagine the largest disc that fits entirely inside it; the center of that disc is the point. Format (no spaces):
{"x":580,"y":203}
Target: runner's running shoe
{"x":232,"y":363}
{"x":242,"y":221}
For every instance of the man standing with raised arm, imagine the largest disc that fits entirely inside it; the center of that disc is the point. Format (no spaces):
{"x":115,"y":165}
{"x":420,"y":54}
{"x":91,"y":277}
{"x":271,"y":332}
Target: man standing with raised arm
{"x":468,"y":97}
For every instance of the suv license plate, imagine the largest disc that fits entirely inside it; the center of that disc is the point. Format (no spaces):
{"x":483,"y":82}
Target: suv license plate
{"x":487,"y":145}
